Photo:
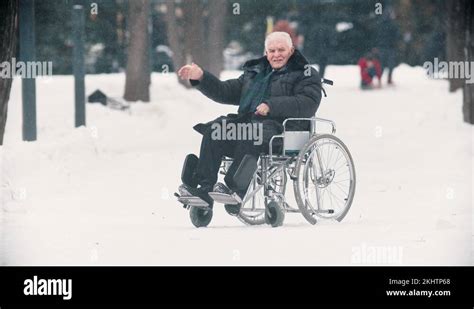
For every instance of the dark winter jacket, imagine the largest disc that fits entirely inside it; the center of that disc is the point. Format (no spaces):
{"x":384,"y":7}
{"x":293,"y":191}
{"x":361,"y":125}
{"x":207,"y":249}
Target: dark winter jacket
{"x":294,"y":91}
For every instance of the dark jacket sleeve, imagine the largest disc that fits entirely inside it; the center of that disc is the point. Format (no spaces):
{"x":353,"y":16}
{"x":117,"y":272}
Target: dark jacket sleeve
{"x":304,"y":102}
{"x":226,"y":92}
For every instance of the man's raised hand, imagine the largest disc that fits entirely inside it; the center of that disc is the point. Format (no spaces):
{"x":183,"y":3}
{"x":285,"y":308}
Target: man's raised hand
{"x":263,"y":109}
{"x":191,"y":71}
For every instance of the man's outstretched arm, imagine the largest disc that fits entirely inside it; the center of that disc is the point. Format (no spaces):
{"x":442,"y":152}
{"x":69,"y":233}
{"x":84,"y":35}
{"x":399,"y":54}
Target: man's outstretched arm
{"x":227,"y":92}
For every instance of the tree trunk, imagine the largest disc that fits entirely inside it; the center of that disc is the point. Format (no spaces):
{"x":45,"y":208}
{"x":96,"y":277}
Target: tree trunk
{"x":137,"y":81}
{"x":174,"y":33}
{"x":468,"y":90}
{"x":8,"y":37}
{"x":187,"y":34}
{"x":455,"y":37}
{"x":217,"y":15}
{"x":194,"y":33}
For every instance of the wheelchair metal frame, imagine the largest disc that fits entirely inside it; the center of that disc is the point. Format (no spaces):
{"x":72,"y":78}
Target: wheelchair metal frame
{"x":273,"y":164}
{"x":301,"y":159}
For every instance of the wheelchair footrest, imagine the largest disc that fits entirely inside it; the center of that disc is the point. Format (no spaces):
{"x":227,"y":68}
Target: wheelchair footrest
{"x":192,"y":201}
{"x":230,"y":199}
{"x":187,"y":199}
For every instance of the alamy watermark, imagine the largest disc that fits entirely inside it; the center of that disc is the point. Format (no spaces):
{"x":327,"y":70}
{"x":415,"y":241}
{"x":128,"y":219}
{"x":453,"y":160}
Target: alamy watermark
{"x":37,"y":286}
{"x":450,"y":69}
{"x":365,"y":254}
{"x":237,"y":131}
{"x":25,"y":69}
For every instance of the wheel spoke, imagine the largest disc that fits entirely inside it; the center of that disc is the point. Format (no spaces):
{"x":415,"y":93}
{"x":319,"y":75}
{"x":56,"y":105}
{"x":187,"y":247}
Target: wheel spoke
{"x":338,"y":157}
{"x":330,"y":192}
{"x":324,"y":194}
{"x":340,"y":188}
{"x":340,"y":166}
{"x":335,"y":197}
{"x":341,"y":185}
{"x":253,"y":211}
{"x":330,"y":151}
{"x":327,"y":158}
{"x":330,"y":198}
{"x":340,"y":180}
{"x":342,"y":173}
{"x":335,"y":162}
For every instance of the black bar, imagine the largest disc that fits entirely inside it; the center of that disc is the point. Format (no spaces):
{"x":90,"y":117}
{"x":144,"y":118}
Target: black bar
{"x":327,"y":81}
{"x":78,"y":65}
{"x":27,"y":53}
{"x":243,"y":285}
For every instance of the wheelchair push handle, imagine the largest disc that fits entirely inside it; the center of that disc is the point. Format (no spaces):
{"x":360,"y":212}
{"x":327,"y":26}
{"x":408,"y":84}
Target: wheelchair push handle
{"x":327,"y":81}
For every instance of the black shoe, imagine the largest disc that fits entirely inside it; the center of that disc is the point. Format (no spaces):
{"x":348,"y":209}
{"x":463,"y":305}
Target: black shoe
{"x":222,"y":188}
{"x":202,"y":193}
{"x":232,"y":209}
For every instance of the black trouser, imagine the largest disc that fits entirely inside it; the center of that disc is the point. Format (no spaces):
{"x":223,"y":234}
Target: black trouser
{"x":213,"y":149}
{"x":210,"y":158}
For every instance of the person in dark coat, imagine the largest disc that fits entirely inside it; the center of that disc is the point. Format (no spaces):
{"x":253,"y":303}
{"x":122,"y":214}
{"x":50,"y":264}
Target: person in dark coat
{"x":387,"y":37}
{"x":277,"y":86}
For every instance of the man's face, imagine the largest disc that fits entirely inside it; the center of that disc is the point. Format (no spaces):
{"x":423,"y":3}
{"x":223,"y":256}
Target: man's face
{"x":278,"y":52}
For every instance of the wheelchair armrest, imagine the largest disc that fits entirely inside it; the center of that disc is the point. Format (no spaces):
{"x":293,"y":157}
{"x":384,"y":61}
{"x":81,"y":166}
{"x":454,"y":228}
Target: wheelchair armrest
{"x":313,"y":121}
{"x":312,"y":130}
{"x":332,"y":123}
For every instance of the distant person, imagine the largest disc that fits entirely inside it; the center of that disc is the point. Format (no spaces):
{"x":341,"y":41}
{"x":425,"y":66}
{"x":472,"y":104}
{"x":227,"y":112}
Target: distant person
{"x":325,"y":39}
{"x":370,"y":68}
{"x":387,"y":38}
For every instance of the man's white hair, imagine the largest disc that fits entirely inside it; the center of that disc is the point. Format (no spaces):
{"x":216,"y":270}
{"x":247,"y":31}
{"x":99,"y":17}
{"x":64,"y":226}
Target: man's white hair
{"x":278,"y":36}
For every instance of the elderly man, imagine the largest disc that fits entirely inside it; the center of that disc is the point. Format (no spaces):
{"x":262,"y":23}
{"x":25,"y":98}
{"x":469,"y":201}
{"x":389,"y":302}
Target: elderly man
{"x":277,"y":86}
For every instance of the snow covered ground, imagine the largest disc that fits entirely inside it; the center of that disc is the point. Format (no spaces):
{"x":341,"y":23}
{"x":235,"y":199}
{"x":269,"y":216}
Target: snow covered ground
{"x":102,"y":195}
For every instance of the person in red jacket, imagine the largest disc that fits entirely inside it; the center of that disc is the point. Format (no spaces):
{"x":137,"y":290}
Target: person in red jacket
{"x":369,"y":68}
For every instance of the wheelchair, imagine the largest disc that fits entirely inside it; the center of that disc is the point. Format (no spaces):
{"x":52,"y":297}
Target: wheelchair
{"x":319,"y":165}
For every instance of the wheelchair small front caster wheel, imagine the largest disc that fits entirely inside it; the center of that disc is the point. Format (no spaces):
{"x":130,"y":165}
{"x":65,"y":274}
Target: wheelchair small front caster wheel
{"x":200,"y":217}
{"x":274,"y":214}
{"x":233,"y":210}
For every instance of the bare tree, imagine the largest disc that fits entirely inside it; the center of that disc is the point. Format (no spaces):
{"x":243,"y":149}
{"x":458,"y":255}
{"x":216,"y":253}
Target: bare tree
{"x":137,"y":81}
{"x":468,"y":91}
{"x":455,"y":37}
{"x":8,"y":37}
{"x":217,"y":15}
{"x":174,"y":31}
{"x":460,"y":47}
{"x":196,"y":33}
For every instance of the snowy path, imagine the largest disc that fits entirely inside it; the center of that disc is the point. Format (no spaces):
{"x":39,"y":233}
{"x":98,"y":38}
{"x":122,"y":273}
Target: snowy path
{"x":102,"y":195}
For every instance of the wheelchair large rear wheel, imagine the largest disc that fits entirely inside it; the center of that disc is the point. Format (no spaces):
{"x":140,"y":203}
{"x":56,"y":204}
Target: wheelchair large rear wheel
{"x":253,"y":211}
{"x":326,"y":179}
